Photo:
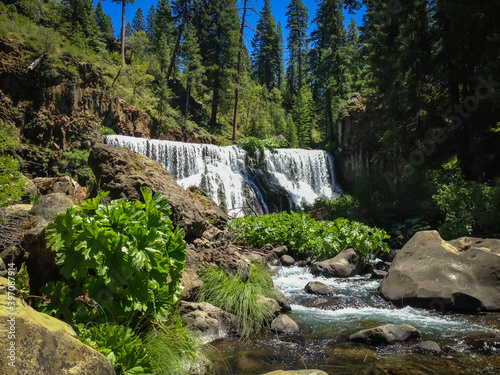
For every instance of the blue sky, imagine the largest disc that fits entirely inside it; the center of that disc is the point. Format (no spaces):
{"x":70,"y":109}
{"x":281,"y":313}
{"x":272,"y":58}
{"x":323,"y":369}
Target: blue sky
{"x":278,"y":10}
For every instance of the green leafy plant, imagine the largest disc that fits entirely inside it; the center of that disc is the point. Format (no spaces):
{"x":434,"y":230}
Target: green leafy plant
{"x":239,"y":297}
{"x":119,"y":262}
{"x":119,"y":344}
{"x":35,"y":198}
{"x":408,"y":228}
{"x":323,"y":239}
{"x":78,"y":158}
{"x":104,"y":130}
{"x":22,"y":281}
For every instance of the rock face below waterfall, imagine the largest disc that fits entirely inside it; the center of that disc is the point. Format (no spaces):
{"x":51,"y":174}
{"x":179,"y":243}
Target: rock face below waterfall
{"x":123,"y":172}
{"x":462,"y":274}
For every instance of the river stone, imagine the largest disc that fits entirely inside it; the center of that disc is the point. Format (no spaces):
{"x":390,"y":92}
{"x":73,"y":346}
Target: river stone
{"x":287,"y":261}
{"x":280,"y":251}
{"x":349,"y":262}
{"x":386,"y":334}
{"x":123,"y":172}
{"x":282,"y":301}
{"x":271,"y":303}
{"x":462,"y":274}
{"x":207,"y":321}
{"x":45,"y":345}
{"x":296,"y":372}
{"x":284,"y":324}
{"x":316,"y":287}
{"x":378,"y":274}
{"x":429,"y":346}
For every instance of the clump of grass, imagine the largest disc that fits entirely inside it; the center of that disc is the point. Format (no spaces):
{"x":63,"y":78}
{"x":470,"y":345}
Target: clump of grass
{"x":172,"y":349}
{"x":239,"y":297}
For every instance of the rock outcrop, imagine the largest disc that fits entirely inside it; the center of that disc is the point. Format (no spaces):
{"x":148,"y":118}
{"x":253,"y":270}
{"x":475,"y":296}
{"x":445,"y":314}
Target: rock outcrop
{"x":42,"y":344}
{"x":123,"y":172}
{"x":386,"y":334}
{"x":462,"y":274}
{"x":349,"y":262}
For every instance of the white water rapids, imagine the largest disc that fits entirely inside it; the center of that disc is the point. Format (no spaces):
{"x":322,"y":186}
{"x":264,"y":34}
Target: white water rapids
{"x":228,"y":175}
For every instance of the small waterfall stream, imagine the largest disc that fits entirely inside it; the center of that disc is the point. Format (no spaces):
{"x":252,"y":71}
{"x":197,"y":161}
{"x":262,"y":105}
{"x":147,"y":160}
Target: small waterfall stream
{"x":327,"y":322}
{"x":233,"y":178}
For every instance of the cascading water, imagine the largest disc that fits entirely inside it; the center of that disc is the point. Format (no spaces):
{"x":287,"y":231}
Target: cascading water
{"x":233,"y":178}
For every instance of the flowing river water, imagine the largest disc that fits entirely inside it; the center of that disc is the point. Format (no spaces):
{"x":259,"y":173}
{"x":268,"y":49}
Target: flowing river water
{"x":327,"y":322}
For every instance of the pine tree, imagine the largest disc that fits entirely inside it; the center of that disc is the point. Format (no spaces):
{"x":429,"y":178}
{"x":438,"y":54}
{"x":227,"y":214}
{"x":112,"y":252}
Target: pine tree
{"x":297,"y":25}
{"x":83,"y":17}
{"x":302,"y":116}
{"x":139,"y":23}
{"x":150,"y":23}
{"x":163,"y":33}
{"x":328,"y":62}
{"x":193,"y":66}
{"x":104,"y":22}
{"x":219,"y":31}
{"x":266,"y":53}
{"x":122,"y":33}
{"x":281,"y":56}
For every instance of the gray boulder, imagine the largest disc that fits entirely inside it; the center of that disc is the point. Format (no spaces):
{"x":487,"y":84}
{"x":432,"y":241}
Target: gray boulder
{"x":207,"y":321}
{"x":462,"y":274}
{"x":318,"y":288}
{"x":349,"y":262}
{"x":386,"y":334}
{"x":284,"y":324}
{"x":287,"y":261}
{"x":282,"y":301}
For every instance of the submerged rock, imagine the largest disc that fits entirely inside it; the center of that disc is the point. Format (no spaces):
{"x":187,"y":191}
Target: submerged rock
{"x":462,"y":274}
{"x":317,"y":287}
{"x":429,"y":347}
{"x":386,"y":334}
{"x":44,"y":345}
{"x":284,"y":324}
{"x":349,"y":262}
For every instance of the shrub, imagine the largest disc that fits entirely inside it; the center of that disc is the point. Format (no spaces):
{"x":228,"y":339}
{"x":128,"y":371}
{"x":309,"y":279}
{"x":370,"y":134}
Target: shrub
{"x":115,"y":261}
{"x":323,"y":239}
{"x":470,"y":208}
{"x":119,"y":344}
{"x":238,"y":297}
{"x":344,"y":206}
{"x":252,"y":143}
{"x":12,"y":184}
{"x":104,"y":130}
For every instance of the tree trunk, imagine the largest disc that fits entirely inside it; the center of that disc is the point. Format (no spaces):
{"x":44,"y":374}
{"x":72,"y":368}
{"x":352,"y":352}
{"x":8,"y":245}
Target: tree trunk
{"x":238,"y":80}
{"x":188,"y":94}
{"x":123,"y":32}
{"x":215,"y":104}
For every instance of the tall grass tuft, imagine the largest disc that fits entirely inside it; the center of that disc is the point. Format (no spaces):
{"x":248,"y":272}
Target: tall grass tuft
{"x":237,"y":297}
{"x":172,"y":350}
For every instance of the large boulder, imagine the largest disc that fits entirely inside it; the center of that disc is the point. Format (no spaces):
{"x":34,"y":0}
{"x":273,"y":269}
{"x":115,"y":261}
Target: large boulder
{"x":123,"y":172}
{"x":386,"y":334}
{"x":207,"y":321}
{"x":65,"y":185}
{"x":296,"y":372}
{"x":40,"y":344}
{"x":349,"y":262}
{"x":462,"y":274}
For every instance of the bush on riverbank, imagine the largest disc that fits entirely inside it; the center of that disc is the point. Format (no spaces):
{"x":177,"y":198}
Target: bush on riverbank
{"x":301,"y":233}
{"x":239,"y":297}
{"x":115,"y":260}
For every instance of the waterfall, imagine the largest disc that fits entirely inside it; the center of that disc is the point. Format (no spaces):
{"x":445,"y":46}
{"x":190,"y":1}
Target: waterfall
{"x":234,"y":179}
